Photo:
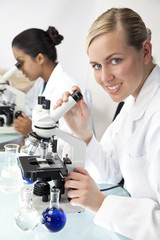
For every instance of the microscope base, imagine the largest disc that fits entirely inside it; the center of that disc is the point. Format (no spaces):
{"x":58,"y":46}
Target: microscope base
{"x":64,"y":204}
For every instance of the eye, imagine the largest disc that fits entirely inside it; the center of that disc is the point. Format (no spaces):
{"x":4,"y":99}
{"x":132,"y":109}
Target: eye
{"x":21,"y":62}
{"x":97,"y":66}
{"x":116,"y":60}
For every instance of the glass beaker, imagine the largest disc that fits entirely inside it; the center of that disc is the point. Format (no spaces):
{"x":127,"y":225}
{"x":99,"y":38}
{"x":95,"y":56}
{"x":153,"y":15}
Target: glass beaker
{"x":27,"y":217}
{"x":11,"y":178}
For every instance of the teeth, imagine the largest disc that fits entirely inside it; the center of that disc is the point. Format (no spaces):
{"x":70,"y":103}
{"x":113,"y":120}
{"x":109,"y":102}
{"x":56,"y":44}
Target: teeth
{"x":114,"y":87}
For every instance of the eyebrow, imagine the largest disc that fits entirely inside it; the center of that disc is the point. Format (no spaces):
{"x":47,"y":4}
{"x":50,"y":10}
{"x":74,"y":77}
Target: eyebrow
{"x":110,"y":56}
{"x":19,"y":57}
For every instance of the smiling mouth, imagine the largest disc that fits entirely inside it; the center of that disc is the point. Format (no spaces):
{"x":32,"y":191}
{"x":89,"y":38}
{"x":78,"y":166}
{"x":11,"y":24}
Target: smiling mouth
{"x":114,"y":87}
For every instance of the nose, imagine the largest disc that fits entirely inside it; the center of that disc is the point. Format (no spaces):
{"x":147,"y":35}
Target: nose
{"x":106,"y":75}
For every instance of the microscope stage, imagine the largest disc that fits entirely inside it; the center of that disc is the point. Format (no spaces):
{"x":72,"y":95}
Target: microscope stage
{"x":34,"y":167}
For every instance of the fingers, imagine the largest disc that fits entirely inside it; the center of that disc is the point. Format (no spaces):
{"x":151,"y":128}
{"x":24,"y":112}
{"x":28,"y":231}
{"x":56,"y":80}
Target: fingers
{"x":65,"y":97}
{"x":24,"y":116}
{"x":83,"y":191}
{"x":22,"y":123}
{"x":21,"y":118}
{"x":74,"y":88}
{"x":77,"y":180}
{"x":74,"y":193}
{"x":78,"y":174}
{"x":82,"y":171}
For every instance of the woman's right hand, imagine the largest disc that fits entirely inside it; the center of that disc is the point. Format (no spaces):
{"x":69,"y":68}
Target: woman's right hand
{"x":23,"y":125}
{"x":78,"y":117}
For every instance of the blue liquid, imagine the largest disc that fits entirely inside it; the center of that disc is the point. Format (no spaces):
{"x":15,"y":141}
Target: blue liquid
{"x":26,"y":180}
{"x":54,"y":219}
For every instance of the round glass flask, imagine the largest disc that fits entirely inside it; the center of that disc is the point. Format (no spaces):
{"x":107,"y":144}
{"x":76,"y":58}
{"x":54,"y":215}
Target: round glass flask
{"x":54,"y":218}
{"x":10,"y":178}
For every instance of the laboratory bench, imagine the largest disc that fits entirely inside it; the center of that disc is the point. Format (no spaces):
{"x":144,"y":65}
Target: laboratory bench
{"x":79,"y":226}
{"x":6,"y":138}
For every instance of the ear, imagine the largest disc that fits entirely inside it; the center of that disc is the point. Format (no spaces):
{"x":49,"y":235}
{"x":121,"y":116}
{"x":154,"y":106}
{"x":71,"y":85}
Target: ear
{"x":147,"y":51}
{"x":40,"y":58}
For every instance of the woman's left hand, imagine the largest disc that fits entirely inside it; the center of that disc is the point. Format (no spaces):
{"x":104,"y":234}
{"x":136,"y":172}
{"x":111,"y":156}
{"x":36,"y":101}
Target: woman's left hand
{"x":83,"y":191}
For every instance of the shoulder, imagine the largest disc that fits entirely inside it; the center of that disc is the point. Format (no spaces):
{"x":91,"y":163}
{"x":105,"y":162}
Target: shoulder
{"x":153,"y":110}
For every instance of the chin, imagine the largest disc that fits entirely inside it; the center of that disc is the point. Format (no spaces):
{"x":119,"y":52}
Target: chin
{"x":31,"y":79}
{"x":117,"y":99}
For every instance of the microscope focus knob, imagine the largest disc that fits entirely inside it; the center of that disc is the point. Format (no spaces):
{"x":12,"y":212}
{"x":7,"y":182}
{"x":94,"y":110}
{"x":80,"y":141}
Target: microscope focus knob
{"x":18,"y":113}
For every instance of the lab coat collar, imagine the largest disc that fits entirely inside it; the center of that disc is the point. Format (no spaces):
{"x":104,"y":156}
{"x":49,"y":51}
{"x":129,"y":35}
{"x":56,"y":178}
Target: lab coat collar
{"x":54,"y":78}
{"x":146,"y":94}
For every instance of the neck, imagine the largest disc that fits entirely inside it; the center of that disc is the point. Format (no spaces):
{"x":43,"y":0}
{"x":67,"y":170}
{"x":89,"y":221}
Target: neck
{"x":148,"y":69}
{"x":47,"y":70}
{"x":146,"y":72}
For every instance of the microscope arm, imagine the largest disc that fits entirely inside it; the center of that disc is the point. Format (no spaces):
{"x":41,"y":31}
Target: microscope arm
{"x":7,"y":75}
{"x":78,"y":148}
{"x":20,"y":98}
{"x":13,"y":108}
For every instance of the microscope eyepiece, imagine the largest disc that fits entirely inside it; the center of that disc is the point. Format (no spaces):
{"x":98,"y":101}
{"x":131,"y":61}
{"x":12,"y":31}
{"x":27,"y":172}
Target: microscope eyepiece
{"x":18,"y":65}
{"x":76,"y":95}
{"x":46,"y":104}
{"x":41,"y":100}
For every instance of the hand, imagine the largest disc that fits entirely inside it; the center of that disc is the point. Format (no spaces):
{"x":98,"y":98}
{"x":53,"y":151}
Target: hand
{"x":83,"y":191}
{"x":78,"y":117}
{"x":23,"y":125}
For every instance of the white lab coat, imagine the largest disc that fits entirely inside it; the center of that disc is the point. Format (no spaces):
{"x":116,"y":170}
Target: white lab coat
{"x":58,"y":83}
{"x":130,"y":147}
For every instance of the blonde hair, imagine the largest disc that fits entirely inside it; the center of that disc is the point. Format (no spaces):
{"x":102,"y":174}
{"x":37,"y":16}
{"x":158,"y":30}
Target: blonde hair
{"x":125,"y":18}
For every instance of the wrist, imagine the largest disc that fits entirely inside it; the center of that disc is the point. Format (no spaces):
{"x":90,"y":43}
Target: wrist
{"x":99,"y":203}
{"x":86,"y":136}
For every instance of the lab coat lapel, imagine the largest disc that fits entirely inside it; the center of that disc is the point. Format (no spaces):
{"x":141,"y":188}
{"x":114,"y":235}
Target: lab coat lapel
{"x":54,"y":79}
{"x":146,"y":94}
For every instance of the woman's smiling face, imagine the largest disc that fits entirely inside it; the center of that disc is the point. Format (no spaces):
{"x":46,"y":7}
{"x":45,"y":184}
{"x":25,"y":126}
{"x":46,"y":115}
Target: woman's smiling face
{"x":118,"y":67}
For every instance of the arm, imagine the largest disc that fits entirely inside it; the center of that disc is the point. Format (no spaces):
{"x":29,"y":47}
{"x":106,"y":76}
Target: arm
{"x":78,"y":118}
{"x":137,"y":219}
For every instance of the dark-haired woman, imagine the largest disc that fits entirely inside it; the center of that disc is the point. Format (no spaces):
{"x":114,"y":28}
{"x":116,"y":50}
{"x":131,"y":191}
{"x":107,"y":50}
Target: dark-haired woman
{"x":35,"y":50}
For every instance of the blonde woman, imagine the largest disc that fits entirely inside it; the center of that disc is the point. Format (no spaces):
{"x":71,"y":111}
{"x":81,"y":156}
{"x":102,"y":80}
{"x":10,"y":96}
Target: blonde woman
{"x":120,"y":52}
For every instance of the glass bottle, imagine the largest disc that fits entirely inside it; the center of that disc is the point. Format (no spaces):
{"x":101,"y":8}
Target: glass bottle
{"x":54,"y":218}
{"x":11,"y":178}
{"x":27,"y":217}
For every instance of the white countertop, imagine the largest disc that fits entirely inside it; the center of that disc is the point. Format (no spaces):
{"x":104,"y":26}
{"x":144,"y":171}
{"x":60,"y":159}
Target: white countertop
{"x":79,"y":226}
